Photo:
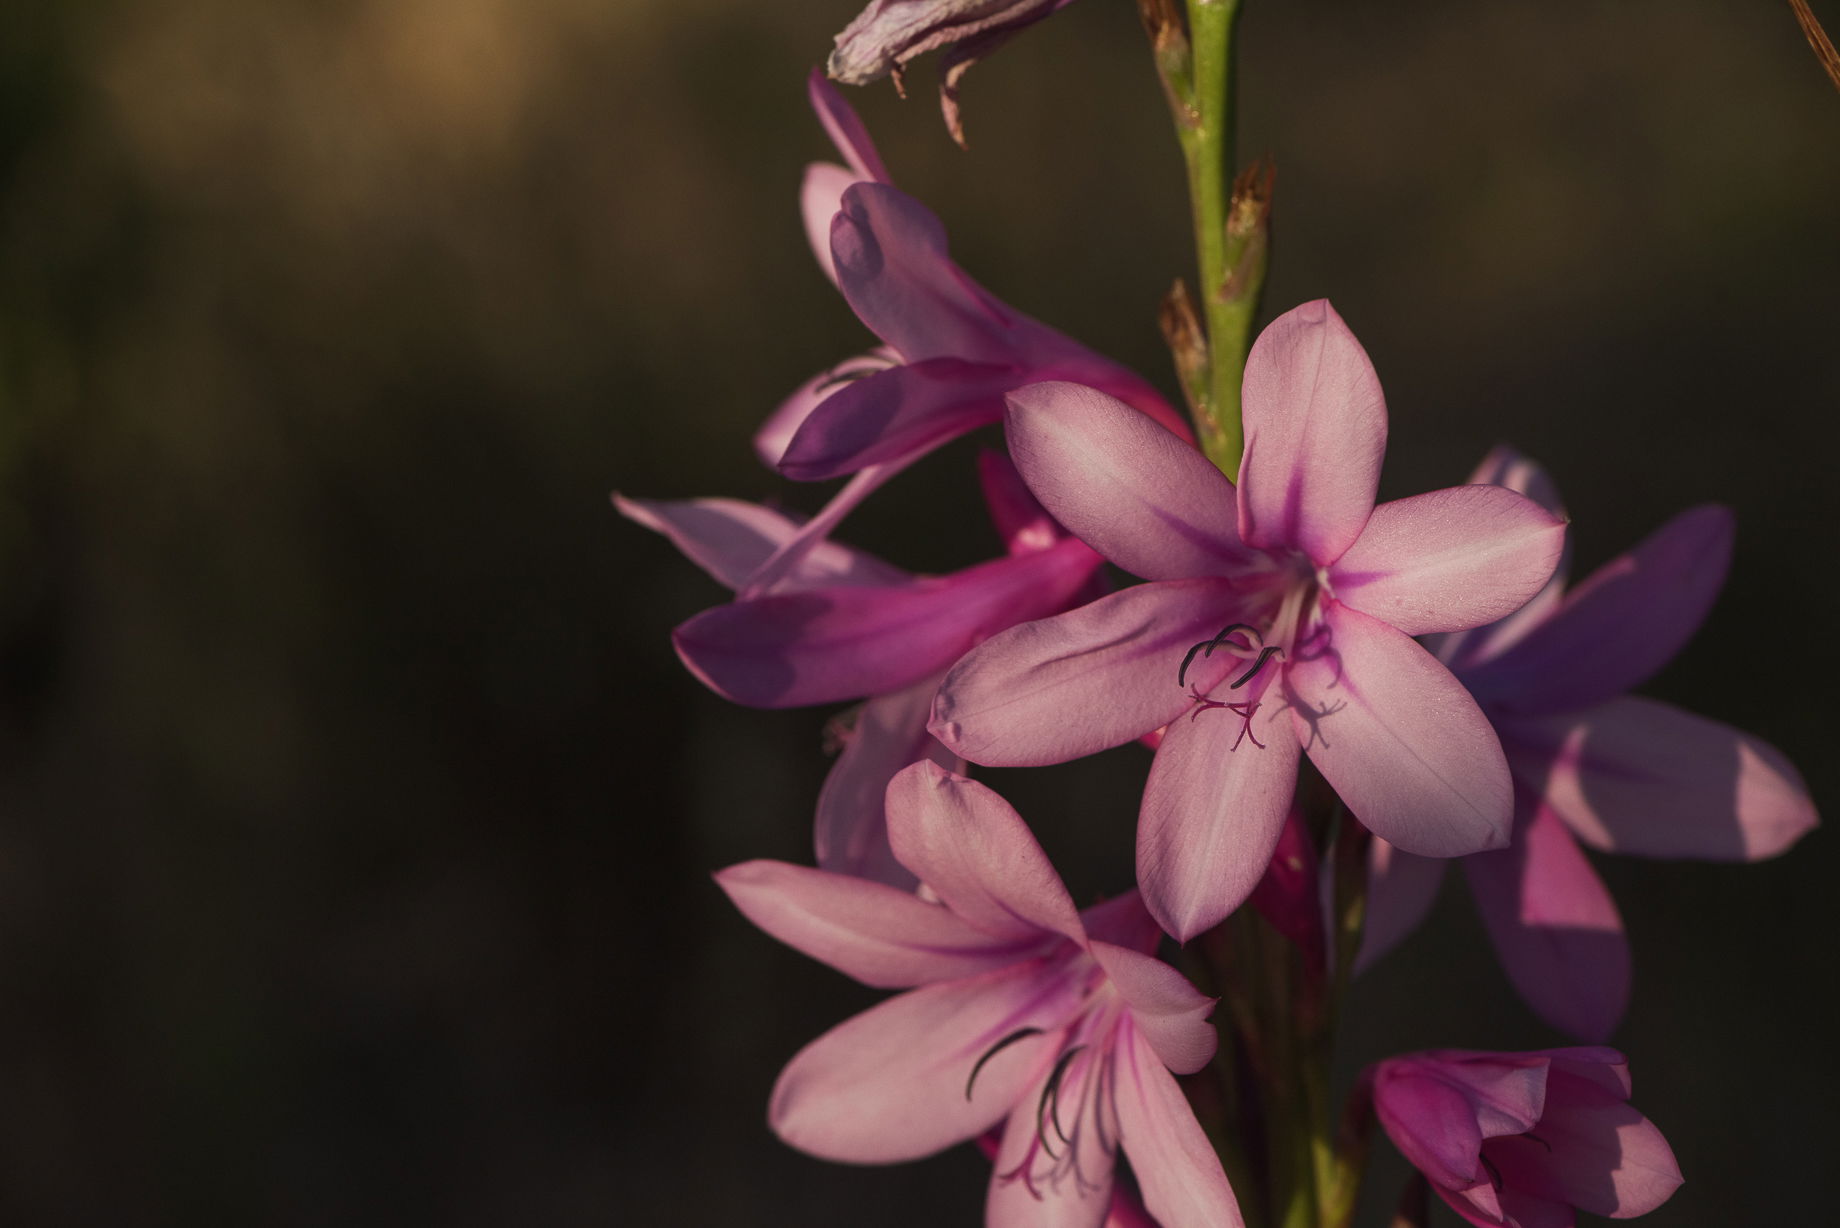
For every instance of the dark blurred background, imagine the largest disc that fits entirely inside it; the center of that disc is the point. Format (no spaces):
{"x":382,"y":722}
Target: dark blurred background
{"x":355,"y":817}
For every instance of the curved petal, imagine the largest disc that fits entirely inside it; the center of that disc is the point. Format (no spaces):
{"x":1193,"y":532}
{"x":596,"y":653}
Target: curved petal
{"x":1401,"y":888}
{"x":1128,"y":488}
{"x":1213,"y":809}
{"x":1594,"y":1152}
{"x":1400,"y":739}
{"x":893,"y":268}
{"x":822,"y":645}
{"x":730,"y":540}
{"x":850,"y":835}
{"x":880,"y":935}
{"x":1169,"y":1012}
{"x":890,"y":1084}
{"x":771,"y":440}
{"x":1554,"y":927}
{"x":820,"y":196}
{"x":1315,"y":434}
{"x":974,"y":851}
{"x":1626,"y":621}
{"x":845,"y":128}
{"x":1451,"y":559}
{"x":896,"y":415}
{"x":1641,"y":777}
{"x":1176,"y":1167}
{"x":1096,"y":677}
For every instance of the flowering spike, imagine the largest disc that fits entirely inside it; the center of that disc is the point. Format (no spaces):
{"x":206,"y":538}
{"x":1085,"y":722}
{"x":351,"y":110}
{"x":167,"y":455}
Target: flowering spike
{"x":1000,"y":1046}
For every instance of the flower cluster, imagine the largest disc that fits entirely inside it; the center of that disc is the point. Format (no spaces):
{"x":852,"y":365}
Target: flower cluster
{"x":1397,"y":683}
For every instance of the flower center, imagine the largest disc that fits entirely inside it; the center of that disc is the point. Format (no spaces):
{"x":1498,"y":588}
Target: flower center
{"x":1288,"y":618}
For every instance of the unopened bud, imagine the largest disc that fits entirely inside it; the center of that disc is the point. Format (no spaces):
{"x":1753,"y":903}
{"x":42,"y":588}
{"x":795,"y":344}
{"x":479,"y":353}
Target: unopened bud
{"x":1181,"y":324}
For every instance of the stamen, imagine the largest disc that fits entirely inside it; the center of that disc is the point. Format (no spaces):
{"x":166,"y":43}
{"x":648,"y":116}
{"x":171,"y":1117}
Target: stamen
{"x":1000,"y":1046}
{"x":1536,"y":1138}
{"x":1265,"y":654}
{"x":1048,"y":1107}
{"x":1206,"y":647}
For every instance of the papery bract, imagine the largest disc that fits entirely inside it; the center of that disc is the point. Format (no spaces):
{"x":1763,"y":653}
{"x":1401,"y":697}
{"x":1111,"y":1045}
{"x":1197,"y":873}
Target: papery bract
{"x":1590,"y":763}
{"x":1277,"y":621}
{"x":889,"y":33}
{"x":1023,"y":1009}
{"x":1518,"y":1140}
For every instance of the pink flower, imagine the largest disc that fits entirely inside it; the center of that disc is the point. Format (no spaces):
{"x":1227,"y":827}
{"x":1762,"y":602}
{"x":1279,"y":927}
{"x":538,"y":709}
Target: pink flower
{"x":1022,"y":1009}
{"x":1592,"y":763}
{"x":844,"y":625}
{"x":950,"y":349}
{"x":1518,"y":1140}
{"x":1278,"y":619}
{"x":889,"y":33}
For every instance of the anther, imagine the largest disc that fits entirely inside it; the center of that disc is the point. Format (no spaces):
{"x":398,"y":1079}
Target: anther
{"x":1206,"y":647}
{"x":1048,"y":1108}
{"x":1265,"y":654}
{"x":1000,"y":1046}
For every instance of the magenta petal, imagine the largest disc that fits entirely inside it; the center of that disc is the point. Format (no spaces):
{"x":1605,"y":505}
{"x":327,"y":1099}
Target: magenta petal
{"x":1555,"y":928}
{"x":730,"y":540}
{"x":851,"y":832}
{"x":889,"y":1084}
{"x":1176,"y":1167}
{"x":1450,"y":559}
{"x":1170,"y":1013}
{"x":1438,"y":1107}
{"x":893,"y":267}
{"x":1594,"y":1152}
{"x":1627,"y":620}
{"x":845,"y":128}
{"x":1049,"y":691}
{"x":815,"y":646}
{"x":880,"y":935}
{"x":1400,"y":739}
{"x":1212,"y":813}
{"x":895,"y":415}
{"x":1641,"y":777}
{"x":1315,"y":434}
{"x":1144,"y":499}
{"x":1401,"y":888}
{"x":786,"y":567}
{"x":974,"y":851}
{"x":1019,"y":518}
{"x":771,"y":440}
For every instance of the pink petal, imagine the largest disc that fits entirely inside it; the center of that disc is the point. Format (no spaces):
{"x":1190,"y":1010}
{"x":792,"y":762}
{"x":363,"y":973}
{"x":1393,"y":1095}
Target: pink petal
{"x":1144,"y":499}
{"x":730,"y":540}
{"x":816,"y":646}
{"x":1461,"y":650}
{"x":1176,"y":1167}
{"x":1450,"y":559}
{"x":1641,"y":777}
{"x":845,"y":128}
{"x":1315,"y":434}
{"x":974,"y":851}
{"x":786,"y":565}
{"x":1401,"y":888}
{"x":775,"y":434}
{"x":1170,"y":1013}
{"x":1438,"y":1107}
{"x":889,"y":1084}
{"x":1593,"y":1151}
{"x":1626,"y":621}
{"x":1400,"y":739}
{"x":1555,"y":927}
{"x":820,"y":196}
{"x":1020,"y":520}
{"x":896,"y":415}
{"x":892,"y":266}
{"x":851,"y":835}
{"x":1212,"y":813}
{"x":880,"y":935}
{"x":1034,"y":1183}
{"x":1080,"y":682}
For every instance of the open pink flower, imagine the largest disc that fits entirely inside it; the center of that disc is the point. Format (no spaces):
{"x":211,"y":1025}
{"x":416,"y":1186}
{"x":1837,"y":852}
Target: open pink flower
{"x":1518,"y":1140}
{"x":1592,"y":763}
{"x":1022,"y":1009}
{"x":889,"y":33}
{"x":1278,"y":619}
{"x":950,"y":349}
{"x":844,"y":625}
